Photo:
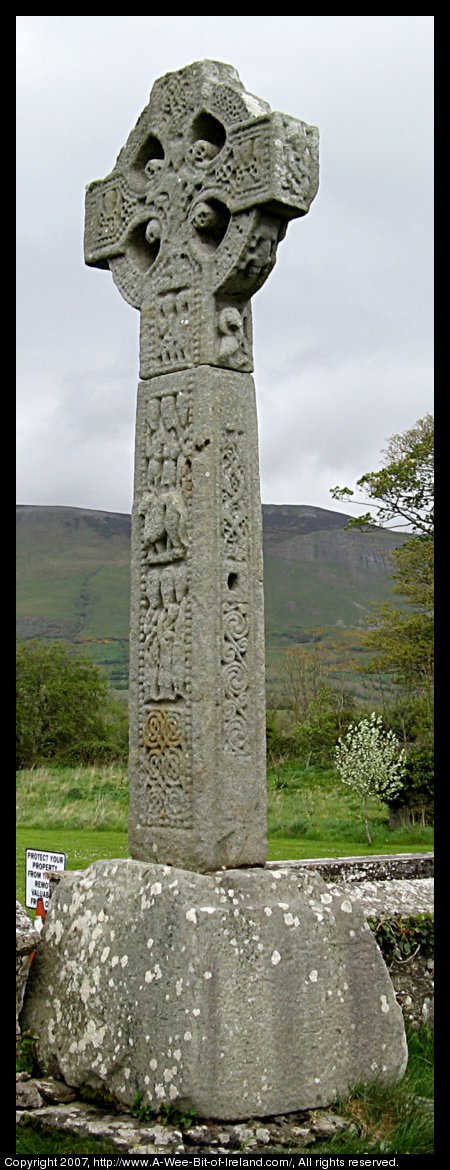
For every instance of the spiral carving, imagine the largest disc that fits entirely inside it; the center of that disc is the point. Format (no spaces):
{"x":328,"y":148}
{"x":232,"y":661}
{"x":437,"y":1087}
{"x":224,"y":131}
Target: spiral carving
{"x":235,"y":677}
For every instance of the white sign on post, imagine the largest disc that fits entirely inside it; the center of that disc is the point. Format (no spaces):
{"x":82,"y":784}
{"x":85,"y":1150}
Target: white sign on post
{"x":39,"y":862}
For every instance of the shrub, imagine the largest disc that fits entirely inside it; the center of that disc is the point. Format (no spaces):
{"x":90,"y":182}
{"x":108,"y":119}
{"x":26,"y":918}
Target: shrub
{"x":369,"y":762}
{"x":62,"y":710}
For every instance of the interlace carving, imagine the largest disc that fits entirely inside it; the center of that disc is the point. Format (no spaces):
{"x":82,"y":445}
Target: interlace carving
{"x":167,"y":777}
{"x":234,"y":509}
{"x":300,"y":176}
{"x":246,"y":165}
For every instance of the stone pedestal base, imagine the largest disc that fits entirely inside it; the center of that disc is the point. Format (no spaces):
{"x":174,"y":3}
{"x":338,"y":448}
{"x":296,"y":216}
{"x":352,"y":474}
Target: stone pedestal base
{"x":233,"y":994}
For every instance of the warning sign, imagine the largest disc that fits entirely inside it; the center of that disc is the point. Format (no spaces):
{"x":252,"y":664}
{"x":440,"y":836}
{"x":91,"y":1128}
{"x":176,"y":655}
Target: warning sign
{"x":37,"y":863}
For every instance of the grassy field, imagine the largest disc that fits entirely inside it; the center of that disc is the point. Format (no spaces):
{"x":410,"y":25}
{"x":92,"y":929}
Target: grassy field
{"x":83,"y":812}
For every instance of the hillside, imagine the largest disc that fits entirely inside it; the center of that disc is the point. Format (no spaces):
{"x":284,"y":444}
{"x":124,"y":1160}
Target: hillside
{"x":73,"y":568}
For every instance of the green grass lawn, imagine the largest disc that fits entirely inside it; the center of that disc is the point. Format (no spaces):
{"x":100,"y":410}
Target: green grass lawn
{"x":83,"y":812}
{"x":81,"y":846}
{"x":313,"y":808}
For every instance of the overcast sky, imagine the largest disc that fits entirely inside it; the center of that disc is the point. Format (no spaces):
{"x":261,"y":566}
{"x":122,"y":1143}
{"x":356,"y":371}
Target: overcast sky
{"x":343,"y":326}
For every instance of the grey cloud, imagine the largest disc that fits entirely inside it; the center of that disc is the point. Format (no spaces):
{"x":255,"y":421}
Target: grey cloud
{"x":343,"y":327}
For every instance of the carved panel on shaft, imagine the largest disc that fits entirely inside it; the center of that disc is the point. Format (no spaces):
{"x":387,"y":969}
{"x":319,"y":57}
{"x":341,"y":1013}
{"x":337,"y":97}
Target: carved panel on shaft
{"x":237,"y":629}
{"x":166,"y":479}
{"x":165,"y":609}
{"x":234,"y":502}
{"x":167,"y":774}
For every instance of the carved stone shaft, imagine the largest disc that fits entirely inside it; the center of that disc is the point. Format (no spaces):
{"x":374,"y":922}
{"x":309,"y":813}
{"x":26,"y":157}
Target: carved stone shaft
{"x":189,"y":222}
{"x":197,"y":751}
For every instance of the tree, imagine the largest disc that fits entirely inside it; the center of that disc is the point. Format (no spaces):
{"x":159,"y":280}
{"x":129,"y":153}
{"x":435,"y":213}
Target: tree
{"x":61,"y":702}
{"x":401,"y":495}
{"x":403,"y":639}
{"x":368,"y":760}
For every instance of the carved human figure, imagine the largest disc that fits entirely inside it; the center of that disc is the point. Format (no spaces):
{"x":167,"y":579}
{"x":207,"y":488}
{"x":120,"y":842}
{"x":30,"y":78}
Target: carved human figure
{"x":173,"y":314}
{"x":183,"y":414}
{"x":232,"y":345}
{"x":170,"y":441}
{"x":150,"y":622}
{"x":153,"y":231}
{"x":165,"y":528}
{"x":247,"y":159}
{"x":175,"y":521}
{"x":262,"y":249}
{"x":111,"y":209}
{"x":179,"y":643}
{"x":162,"y":505}
{"x":165,"y":632}
{"x":153,"y":446}
{"x":210,"y":222}
{"x":201,"y":152}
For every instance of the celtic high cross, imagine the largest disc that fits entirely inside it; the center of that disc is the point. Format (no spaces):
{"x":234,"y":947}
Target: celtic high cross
{"x":189,"y":222}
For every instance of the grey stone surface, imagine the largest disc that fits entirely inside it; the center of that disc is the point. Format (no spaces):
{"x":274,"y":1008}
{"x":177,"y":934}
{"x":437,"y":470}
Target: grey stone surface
{"x":392,"y":897}
{"x":27,"y":939}
{"x":122,"y":1131}
{"x":381,"y":867}
{"x":129,"y":1135}
{"x":26,"y":933}
{"x":413,"y":983}
{"x":242,"y":993}
{"x":28,"y":1095}
{"x":189,"y":222}
{"x":190,"y":218}
{"x":55,"y":1091}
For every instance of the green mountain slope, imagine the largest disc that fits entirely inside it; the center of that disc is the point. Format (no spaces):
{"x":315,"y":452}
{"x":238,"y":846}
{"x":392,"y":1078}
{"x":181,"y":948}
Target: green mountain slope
{"x":73,"y":570}
{"x":315,"y":574}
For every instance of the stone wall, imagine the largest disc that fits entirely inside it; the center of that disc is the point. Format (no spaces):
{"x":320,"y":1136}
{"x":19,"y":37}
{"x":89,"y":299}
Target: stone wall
{"x":376,"y":867}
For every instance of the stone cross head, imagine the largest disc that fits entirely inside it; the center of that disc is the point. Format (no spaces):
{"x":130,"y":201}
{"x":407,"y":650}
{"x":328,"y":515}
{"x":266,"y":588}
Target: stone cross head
{"x":190,"y":218}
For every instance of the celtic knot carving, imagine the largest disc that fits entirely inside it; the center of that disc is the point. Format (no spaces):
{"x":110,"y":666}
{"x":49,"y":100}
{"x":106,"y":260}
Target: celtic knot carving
{"x":300,"y":174}
{"x":161,"y":731}
{"x":174,"y":94}
{"x":167,"y":779}
{"x":234,"y":515}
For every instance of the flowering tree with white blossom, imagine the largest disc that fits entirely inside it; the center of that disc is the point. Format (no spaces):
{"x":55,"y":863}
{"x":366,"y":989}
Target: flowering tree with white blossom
{"x":368,"y":760}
